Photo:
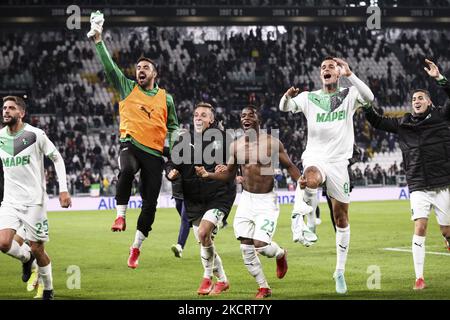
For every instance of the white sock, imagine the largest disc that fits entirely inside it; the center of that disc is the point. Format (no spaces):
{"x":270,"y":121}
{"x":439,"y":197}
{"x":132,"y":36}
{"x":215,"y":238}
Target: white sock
{"x":299,"y":200}
{"x":38,"y":280}
{"x":121,"y":210}
{"x":138,"y":239}
{"x":26,"y":247}
{"x":297,"y":224}
{"x":195,"y":229}
{"x":418,"y":250}
{"x":207,"y":257}
{"x":45,"y":273}
{"x":342,"y":245}
{"x":310,"y":197}
{"x":299,"y":194}
{"x":271,"y":250}
{"x":218,"y":270}
{"x":253,"y":265}
{"x":18,"y":252}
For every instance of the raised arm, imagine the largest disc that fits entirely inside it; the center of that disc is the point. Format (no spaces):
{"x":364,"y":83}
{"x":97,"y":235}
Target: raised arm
{"x":292,"y":101}
{"x":363,"y":89}
{"x":113,"y":73}
{"x":433,"y":71}
{"x":445,"y":84}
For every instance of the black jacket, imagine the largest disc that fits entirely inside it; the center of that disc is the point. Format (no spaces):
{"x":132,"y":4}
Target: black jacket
{"x":200,"y":194}
{"x":425,"y":144}
{"x":177,"y":188}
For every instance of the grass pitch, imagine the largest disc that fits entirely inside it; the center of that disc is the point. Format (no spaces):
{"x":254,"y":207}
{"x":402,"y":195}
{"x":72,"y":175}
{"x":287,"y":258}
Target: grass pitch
{"x":84,"y":239}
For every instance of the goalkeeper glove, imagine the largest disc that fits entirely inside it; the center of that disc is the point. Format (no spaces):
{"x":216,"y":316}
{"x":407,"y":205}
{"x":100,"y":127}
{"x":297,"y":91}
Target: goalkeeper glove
{"x":97,"y":20}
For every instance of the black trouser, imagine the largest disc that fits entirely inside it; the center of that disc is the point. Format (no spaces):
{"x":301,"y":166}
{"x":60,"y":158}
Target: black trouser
{"x":330,"y":206}
{"x":131,"y":159}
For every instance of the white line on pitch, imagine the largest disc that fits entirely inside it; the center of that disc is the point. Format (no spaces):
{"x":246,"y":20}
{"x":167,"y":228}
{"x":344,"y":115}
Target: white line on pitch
{"x":409,"y":250}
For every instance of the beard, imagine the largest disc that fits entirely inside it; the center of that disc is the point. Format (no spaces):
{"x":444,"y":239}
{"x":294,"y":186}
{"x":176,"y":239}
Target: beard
{"x":13,"y":121}
{"x":145,"y":82}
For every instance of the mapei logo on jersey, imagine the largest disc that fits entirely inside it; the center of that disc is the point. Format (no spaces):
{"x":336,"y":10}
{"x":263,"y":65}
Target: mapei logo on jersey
{"x":331,"y":116}
{"x":16,"y":161}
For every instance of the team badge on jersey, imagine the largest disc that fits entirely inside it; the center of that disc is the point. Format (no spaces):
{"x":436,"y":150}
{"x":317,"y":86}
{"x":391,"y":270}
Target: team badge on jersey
{"x":337,"y":99}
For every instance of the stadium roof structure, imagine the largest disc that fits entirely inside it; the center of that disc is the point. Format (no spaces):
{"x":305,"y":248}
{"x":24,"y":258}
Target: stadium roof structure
{"x":228,"y":12}
{"x":235,"y":3}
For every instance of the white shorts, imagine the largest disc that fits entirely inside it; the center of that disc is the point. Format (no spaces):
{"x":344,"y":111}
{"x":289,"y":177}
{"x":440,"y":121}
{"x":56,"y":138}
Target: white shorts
{"x":21,"y":232}
{"x":215,"y":216}
{"x":422,"y":202}
{"x":256,"y":216}
{"x":32,"y":219}
{"x":335,"y":175}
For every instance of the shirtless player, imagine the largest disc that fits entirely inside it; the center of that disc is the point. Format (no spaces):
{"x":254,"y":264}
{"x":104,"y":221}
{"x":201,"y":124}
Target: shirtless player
{"x":257,"y":213}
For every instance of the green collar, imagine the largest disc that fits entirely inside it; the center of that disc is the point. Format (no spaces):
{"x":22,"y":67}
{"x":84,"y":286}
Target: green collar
{"x":151,"y":92}
{"x":17,"y":133}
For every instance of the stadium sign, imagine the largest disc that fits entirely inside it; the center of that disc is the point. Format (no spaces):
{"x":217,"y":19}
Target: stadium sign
{"x":213,"y":15}
{"x":284,"y":197}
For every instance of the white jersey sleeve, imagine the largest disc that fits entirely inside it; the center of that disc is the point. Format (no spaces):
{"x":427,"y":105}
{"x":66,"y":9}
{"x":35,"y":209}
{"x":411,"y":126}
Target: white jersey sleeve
{"x":297,"y":104}
{"x":300,"y":103}
{"x":355,"y":100}
{"x":45,"y":145}
{"x":48,"y":149}
{"x":359,"y":93}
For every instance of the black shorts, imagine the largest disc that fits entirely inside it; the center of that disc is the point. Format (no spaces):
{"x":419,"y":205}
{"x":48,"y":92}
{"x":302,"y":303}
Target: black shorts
{"x":196,"y":209}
